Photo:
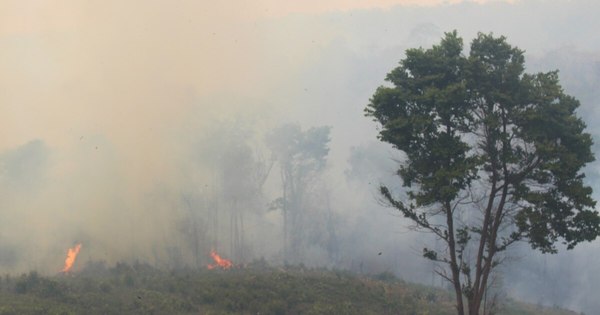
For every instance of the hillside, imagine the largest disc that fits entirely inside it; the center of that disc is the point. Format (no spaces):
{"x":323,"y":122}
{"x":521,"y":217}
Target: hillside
{"x":257,"y":289}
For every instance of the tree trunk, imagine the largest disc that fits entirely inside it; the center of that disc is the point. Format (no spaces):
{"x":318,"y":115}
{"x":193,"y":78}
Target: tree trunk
{"x":474,"y":305}
{"x":453,"y":264}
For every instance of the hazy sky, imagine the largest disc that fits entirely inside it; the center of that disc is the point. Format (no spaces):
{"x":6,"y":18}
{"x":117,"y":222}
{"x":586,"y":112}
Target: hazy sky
{"x":134,"y":72}
{"x":73,"y":67}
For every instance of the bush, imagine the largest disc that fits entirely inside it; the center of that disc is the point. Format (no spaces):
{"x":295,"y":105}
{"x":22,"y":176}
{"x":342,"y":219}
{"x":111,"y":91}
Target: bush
{"x":386,"y":276}
{"x":26,"y":283}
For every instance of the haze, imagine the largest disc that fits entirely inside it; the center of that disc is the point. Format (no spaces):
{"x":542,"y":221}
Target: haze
{"x":116,"y":116}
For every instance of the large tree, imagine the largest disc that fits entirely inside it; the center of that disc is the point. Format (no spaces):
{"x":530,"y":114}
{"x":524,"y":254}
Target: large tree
{"x":493,"y":156}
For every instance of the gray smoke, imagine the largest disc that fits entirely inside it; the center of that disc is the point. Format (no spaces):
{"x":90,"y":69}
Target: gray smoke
{"x":152,"y":127}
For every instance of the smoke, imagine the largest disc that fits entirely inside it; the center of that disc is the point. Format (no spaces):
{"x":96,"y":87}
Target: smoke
{"x":124,"y":122}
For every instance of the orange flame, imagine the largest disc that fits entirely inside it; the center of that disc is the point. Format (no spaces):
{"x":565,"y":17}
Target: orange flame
{"x":71,"y":256}
{"x":219,"y":262}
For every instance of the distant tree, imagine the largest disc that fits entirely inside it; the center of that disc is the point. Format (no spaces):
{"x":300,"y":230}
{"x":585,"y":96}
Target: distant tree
{"x":243,"y":175}
{"x":493,"y":156}
{"x":233,"y":188}
{"x":301,"y":155}
{"x":193,"y":227}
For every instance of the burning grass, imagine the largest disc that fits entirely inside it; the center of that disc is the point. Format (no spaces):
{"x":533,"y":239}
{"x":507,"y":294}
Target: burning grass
{"x":220,"y":262}
{"x":71,"y":256}
{"x":142,"y":289}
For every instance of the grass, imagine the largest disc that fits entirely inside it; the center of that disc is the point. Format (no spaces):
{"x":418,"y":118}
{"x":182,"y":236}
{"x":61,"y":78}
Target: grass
{"x":256,"y":289}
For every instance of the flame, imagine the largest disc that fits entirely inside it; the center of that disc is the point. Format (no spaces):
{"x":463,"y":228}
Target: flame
{"x":219,"y":262}
{"x":71,"y":256}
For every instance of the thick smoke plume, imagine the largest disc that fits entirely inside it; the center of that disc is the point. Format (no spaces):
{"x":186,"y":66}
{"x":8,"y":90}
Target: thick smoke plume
{"x":142,"y":131}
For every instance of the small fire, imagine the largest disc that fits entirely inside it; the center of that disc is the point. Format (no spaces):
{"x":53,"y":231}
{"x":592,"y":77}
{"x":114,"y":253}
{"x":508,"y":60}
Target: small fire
{"x":219,"y":262}
{"x":71,"y":256}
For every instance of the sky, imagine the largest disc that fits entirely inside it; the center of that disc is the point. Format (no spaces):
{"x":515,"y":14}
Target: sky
{"x":75,"y":65}
{"x":104,"y":104}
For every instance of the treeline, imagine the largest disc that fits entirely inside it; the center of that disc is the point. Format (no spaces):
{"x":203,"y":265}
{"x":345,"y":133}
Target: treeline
{"x":258,"y":195}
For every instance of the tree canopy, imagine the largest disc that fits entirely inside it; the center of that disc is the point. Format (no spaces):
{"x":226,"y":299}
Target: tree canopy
{"x":494,"y":155}
{"x":302,"y":156}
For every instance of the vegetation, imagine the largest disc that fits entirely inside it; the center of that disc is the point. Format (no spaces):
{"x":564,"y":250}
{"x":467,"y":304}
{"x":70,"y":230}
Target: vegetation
{"x":255,"y":289}
{"x":301,"y":156}
{"x":493,"y":157}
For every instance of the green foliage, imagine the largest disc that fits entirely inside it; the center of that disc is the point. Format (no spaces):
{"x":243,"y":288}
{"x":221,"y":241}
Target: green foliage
{"x":261,"y":290}
{"x":33,"y":283}
{"x":460,"y":118}
{"x":493,"y":156}
{"x":290,"y":144}
{"x":386,"y":276}
{"x":301,"y":157}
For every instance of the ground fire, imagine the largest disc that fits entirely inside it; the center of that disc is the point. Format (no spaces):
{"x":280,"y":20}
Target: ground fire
{"x":71,"y":256}
{"x":219,"y":261}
